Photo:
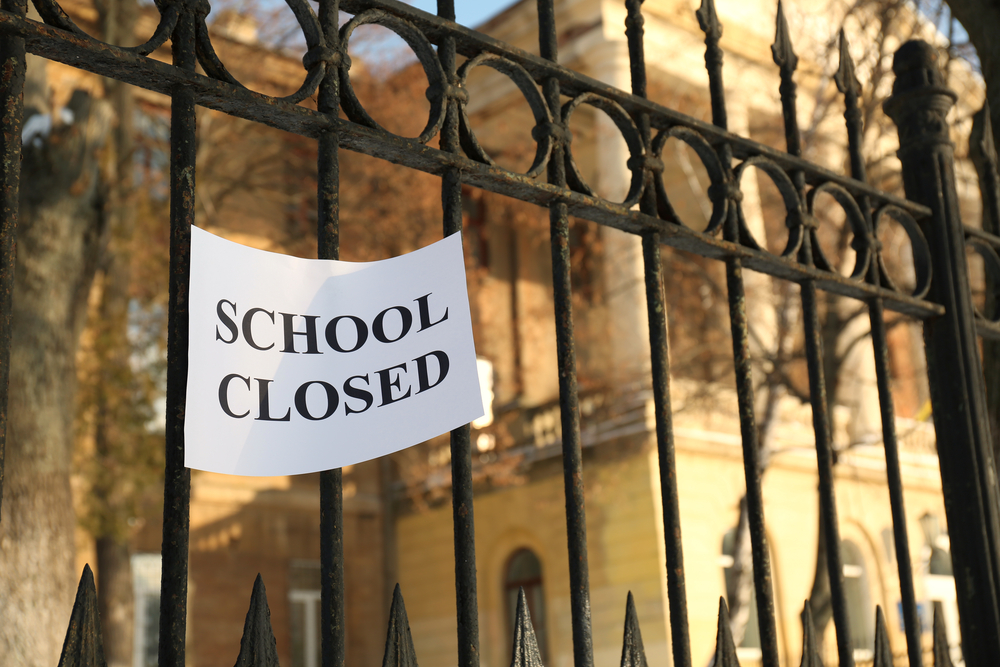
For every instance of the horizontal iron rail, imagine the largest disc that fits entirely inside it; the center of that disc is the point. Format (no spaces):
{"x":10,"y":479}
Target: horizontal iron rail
{"x":469,"y":43}
{"x":988,"y":329}
{"x":992,"y":239}
{"x":151,"y":74}
{"x":984,"y":327}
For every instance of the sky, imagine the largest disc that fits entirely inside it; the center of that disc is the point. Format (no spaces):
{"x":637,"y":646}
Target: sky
{"x":470,"y":13}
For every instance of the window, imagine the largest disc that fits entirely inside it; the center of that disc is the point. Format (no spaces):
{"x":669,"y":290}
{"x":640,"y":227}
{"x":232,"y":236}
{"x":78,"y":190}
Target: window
{"x":857,"y":594}
{"x":749,"y":646}
{"x":304,"y":596}
{"x":524,"y":570}
{"x":146,"y":571}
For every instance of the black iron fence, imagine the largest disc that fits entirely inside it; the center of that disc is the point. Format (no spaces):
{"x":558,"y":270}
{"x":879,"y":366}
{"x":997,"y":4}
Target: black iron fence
{"x":447,"y":52}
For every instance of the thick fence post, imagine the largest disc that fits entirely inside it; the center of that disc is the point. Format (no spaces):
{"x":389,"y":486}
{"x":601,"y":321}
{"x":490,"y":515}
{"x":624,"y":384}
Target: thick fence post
{"x":919,"y":104}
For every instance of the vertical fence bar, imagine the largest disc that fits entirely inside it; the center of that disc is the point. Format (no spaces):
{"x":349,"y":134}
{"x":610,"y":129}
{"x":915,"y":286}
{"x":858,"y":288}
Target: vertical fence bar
{"x":463,"y":518}
{"x":12,"y":70}
{"x":787,"y":62}
{"x":824,"y":443}
{"x":904,"y":563}
{"x":824,"y":447}
{"x":709,"y":21}
{"x":659,"y":358}
{"x":852,"y":115}
{"x":576,"y":519}
{"x":824,"y":462}
{"x":333,"y":623}
{"x":177,"y":478}
{"x":919,"y":105}
{"x":982,"y":151}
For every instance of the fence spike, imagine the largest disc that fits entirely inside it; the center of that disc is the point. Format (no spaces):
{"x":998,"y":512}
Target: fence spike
{"x":399,"y":651}
{"x":633,"y":652}
{"x":84,"y":646}
{"x":983,"y":153}
{"x":982,"y":133}
{"x":257,"y":647}
{"x":883,"y":651}
{"x":810,"y":656}
{"x":708,"y":19}
{"x":525,"y":650}
{"x":942,"y":652}
{"x":845,"y":76}
{"x":781,"y":50}
{"x":725,"y":648}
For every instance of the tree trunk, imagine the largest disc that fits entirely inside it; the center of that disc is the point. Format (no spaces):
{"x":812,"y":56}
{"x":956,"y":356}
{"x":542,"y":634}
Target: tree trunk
{"x":115,"y":600}
{"x":112,"y":350}
{"x":60,"y":233}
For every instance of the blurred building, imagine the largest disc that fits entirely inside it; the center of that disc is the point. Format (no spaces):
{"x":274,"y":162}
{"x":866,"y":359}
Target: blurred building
{"x":397,"y":510}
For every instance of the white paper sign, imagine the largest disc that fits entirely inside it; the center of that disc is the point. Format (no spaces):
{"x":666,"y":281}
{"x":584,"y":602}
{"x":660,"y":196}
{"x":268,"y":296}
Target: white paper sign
{"x":300,"y":365}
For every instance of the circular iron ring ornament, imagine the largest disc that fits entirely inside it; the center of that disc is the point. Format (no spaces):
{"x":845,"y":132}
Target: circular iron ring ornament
{"x":520,"y":77}
{"x":789,"y":195}
{"x":716,"y":176}
{"x":860,"y":241}
{"x":918,"y":244}
{"x":54,"y":15}
{"x":629,"y":132}
{"x":316,"y":67}
{"x":991,"y":263}
{"x":424,"y":50}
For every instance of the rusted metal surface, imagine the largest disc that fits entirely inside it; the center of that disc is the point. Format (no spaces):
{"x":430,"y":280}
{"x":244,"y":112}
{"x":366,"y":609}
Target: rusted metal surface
{"x":633,"y":652}
{"x":333,"y":626}
{"x":258,"y":647}
{"x":877,"y":275}
{"x":223,"y":96}
{"x":399,"y":651}
{"x":656,"y":313}
{"x":918,"y":106}
{"x":463,"y":514}
{"x":569,"y":400}
{"x":177,"y":478}
{"x":524,"y":652}
{"x":810,"y":647}
{"x":941,"y":650}
{"x":84,"y":646}
{"x":734,"y":230}
{"x":725,"y":648}
{"x":941,"y":298}
{"x":883,"y":651}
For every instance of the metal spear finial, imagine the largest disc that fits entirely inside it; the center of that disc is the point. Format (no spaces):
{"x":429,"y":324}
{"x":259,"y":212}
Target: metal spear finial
{"x":781,"y":50}
{"x":847,"y":81}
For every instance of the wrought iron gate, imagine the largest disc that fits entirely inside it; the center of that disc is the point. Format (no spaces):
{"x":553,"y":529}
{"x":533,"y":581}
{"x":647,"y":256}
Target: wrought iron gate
{"x":942,"y":299}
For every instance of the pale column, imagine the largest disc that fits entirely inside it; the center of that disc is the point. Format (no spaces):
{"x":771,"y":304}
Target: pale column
{"x":624,"y":286}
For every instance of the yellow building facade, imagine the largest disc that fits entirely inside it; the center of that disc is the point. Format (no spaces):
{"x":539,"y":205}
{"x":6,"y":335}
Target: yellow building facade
{"x":621,"y":469}
{"x":626,"y":547}
{"x":240,"y":527}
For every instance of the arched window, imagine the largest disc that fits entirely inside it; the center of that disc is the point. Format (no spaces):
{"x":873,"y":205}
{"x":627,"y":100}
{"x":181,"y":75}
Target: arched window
{"x":749,"y":646}
{"x":524,"y":570}
{"x":857,"y":594}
